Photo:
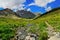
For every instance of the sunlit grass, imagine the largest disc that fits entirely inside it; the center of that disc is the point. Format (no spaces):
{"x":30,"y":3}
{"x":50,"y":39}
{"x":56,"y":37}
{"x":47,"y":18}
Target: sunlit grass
{"x":8,"y":25}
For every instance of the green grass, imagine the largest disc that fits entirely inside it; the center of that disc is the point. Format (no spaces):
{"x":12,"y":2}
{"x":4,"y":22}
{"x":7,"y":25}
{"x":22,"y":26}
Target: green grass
{"x":53,"y":18}
{"x":8,"y":25}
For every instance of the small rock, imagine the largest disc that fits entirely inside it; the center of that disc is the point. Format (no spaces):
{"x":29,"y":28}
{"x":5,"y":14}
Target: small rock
{"x":55,"y":37}
{"x":30,"y":38}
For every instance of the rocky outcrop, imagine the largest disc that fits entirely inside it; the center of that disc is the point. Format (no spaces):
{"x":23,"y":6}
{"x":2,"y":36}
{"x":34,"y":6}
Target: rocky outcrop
{"x":25,"y":14}
{"x":22,"y":34}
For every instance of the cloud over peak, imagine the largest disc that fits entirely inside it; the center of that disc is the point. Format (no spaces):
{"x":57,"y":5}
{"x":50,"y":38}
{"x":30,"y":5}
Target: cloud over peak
{"x":11,"y":3}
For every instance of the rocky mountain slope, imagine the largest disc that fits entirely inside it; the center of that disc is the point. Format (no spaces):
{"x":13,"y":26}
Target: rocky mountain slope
{"x":19,"y":13}
{"x":25,"y":14}
{"x":6,"y":12}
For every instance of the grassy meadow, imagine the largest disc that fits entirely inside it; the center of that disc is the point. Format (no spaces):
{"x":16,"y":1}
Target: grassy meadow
{"x":8,"y":26}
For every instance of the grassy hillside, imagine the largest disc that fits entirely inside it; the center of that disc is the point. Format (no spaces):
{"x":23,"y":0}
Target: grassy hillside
{"x":8,"y":25}
{"x":53,"y":18}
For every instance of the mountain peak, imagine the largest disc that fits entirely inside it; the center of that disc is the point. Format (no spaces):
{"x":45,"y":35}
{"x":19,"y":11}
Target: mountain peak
{"x":25,"y":14}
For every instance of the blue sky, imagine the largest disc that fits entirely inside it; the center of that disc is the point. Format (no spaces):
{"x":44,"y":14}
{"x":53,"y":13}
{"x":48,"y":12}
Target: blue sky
{"x":1,"y":8}
{"x":35,"y":8}
{"x":55,"y":4}
{"x":39,"y":6}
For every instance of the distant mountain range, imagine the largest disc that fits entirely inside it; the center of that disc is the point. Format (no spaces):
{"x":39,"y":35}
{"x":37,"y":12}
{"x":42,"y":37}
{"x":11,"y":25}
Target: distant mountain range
{"x":19,"y":13}
{"x":23,"y":13}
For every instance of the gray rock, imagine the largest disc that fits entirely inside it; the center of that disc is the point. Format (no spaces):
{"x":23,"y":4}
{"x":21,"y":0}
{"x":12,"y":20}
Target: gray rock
{"x":22,"y":34}
{"x":25,"y":14}
{"x":55,"y":37}
{"x":30,"y":38}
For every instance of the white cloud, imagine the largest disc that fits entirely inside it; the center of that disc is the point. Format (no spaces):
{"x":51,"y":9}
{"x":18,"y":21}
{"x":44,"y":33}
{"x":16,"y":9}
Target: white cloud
{"x":28,"y":9}
{"x":31,"y":4}
{"x":17,"y":4}
{"x":48,"y":9}
{"x":43,"y":3}
{"x":11,"y":3}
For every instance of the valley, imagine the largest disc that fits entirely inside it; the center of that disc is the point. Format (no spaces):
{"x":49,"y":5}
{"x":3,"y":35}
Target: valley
{"x":9,"y":25}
